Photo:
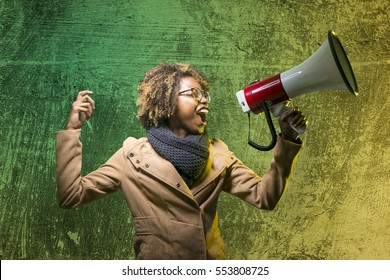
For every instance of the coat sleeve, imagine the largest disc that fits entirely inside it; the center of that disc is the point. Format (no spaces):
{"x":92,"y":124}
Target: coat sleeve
{"x":73,"y":190}
{"x":264,"y":192}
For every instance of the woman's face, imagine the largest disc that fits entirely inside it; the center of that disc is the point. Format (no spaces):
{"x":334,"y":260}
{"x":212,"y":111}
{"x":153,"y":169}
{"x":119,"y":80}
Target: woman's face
{"x":190,"y":117}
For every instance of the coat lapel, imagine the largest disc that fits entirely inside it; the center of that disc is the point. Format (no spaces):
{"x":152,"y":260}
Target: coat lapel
{"x":216,"y":164}
{"x":166,"y":172}
{"x":144,"y":157}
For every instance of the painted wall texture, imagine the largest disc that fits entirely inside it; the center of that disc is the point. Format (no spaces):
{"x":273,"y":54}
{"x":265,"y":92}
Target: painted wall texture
{"x":337,"y":203}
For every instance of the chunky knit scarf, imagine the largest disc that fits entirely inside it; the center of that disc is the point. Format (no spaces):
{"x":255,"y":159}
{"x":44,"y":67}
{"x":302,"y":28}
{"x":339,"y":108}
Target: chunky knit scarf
{"x":189,"y":155}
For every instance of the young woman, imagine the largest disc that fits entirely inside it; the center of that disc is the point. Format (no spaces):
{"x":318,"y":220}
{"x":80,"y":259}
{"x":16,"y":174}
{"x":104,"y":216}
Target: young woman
{"x":171,"y":179}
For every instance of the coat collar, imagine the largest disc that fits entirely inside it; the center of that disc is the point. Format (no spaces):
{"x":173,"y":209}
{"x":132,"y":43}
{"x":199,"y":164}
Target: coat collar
{"x":145,"y":159}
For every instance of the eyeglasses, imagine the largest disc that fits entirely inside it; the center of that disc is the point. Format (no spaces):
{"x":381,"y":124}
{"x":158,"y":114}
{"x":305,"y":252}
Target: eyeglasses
{"x":197,"y":93}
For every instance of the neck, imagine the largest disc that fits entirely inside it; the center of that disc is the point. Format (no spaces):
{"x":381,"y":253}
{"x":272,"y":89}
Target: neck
{"x":178,"y":131}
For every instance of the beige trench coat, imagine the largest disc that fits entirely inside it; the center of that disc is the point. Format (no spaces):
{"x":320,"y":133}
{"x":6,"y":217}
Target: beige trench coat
{"x":171,"y":220}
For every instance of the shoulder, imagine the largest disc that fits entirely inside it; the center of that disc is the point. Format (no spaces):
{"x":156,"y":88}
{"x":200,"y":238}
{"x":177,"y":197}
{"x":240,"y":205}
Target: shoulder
{"x":218,"y":145}
{"x":219,"y":149}
{"x":132,"y":143}
{"x":129,"y":142}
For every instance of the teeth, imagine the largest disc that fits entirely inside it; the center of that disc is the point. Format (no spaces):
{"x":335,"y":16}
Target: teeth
{"x":204,"y":111}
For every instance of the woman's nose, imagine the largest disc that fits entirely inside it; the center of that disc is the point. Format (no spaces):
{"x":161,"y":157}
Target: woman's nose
{"x":203,"y":100}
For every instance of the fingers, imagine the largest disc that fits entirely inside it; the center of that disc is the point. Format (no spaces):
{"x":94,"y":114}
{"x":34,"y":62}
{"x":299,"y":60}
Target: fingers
{"x":82,"y":109}
{"x":83,"y":93}
{"x":286,"y":115}
{"x":84,"y":105}
{"x":83,"y":96}
{"x":298,"y":120}
{"x":294,"y":117}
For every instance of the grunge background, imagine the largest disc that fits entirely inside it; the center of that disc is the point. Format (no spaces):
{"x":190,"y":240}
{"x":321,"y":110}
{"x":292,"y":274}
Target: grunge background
{"x":337,"y":203}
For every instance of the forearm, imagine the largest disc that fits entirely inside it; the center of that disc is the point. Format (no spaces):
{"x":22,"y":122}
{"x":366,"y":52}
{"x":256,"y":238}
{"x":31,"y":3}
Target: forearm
{"x":264,"y":192}
{"x":285,"y":154}
{"x":68,"y":167}
{"x":275,"y":180}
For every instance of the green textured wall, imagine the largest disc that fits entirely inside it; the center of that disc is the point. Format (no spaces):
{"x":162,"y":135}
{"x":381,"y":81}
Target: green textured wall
{"x":337,"y":203}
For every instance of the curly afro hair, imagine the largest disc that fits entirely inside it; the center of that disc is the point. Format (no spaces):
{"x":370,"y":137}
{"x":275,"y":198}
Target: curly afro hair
{"x":158,"y":89}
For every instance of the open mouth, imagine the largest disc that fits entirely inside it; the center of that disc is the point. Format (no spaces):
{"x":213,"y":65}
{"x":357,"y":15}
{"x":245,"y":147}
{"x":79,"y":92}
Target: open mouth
{"x":202,"y":113}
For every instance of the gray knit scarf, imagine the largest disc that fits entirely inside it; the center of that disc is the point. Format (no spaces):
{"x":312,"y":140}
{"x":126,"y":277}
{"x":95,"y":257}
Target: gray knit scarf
{"x":189,"y":155}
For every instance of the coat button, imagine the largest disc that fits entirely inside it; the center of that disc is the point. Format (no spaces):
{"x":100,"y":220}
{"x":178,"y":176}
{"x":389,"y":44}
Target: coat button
{"x":147,"y":165}
{"x":137,"y":161}
{"x":178,"y":185}
{"x":131,"y":154}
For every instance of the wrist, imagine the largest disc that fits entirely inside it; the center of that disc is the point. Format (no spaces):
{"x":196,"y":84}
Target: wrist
{"x":69,"y":127}
{"x":289,"y":137}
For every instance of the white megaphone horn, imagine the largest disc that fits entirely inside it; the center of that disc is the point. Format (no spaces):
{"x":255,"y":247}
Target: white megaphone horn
{"x":326,"y":69}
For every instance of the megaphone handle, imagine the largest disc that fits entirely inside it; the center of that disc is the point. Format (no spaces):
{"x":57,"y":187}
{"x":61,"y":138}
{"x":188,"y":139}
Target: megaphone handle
{"x":278,"y":109}
{"x":271,"y":127}
{"x":299,"y":130}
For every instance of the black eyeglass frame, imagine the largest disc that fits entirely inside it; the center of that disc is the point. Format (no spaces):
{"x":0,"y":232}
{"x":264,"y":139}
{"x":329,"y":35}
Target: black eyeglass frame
{"x":197,"y":93}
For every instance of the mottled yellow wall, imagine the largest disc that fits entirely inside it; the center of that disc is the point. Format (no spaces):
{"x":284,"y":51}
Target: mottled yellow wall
{"x":337,"y":203}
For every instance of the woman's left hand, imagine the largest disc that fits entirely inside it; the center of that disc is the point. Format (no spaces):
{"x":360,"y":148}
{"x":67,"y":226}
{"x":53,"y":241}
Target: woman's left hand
{"x":296,"y":119}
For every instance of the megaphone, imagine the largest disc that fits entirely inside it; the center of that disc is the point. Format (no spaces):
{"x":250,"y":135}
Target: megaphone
{"x":326,"y":69}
